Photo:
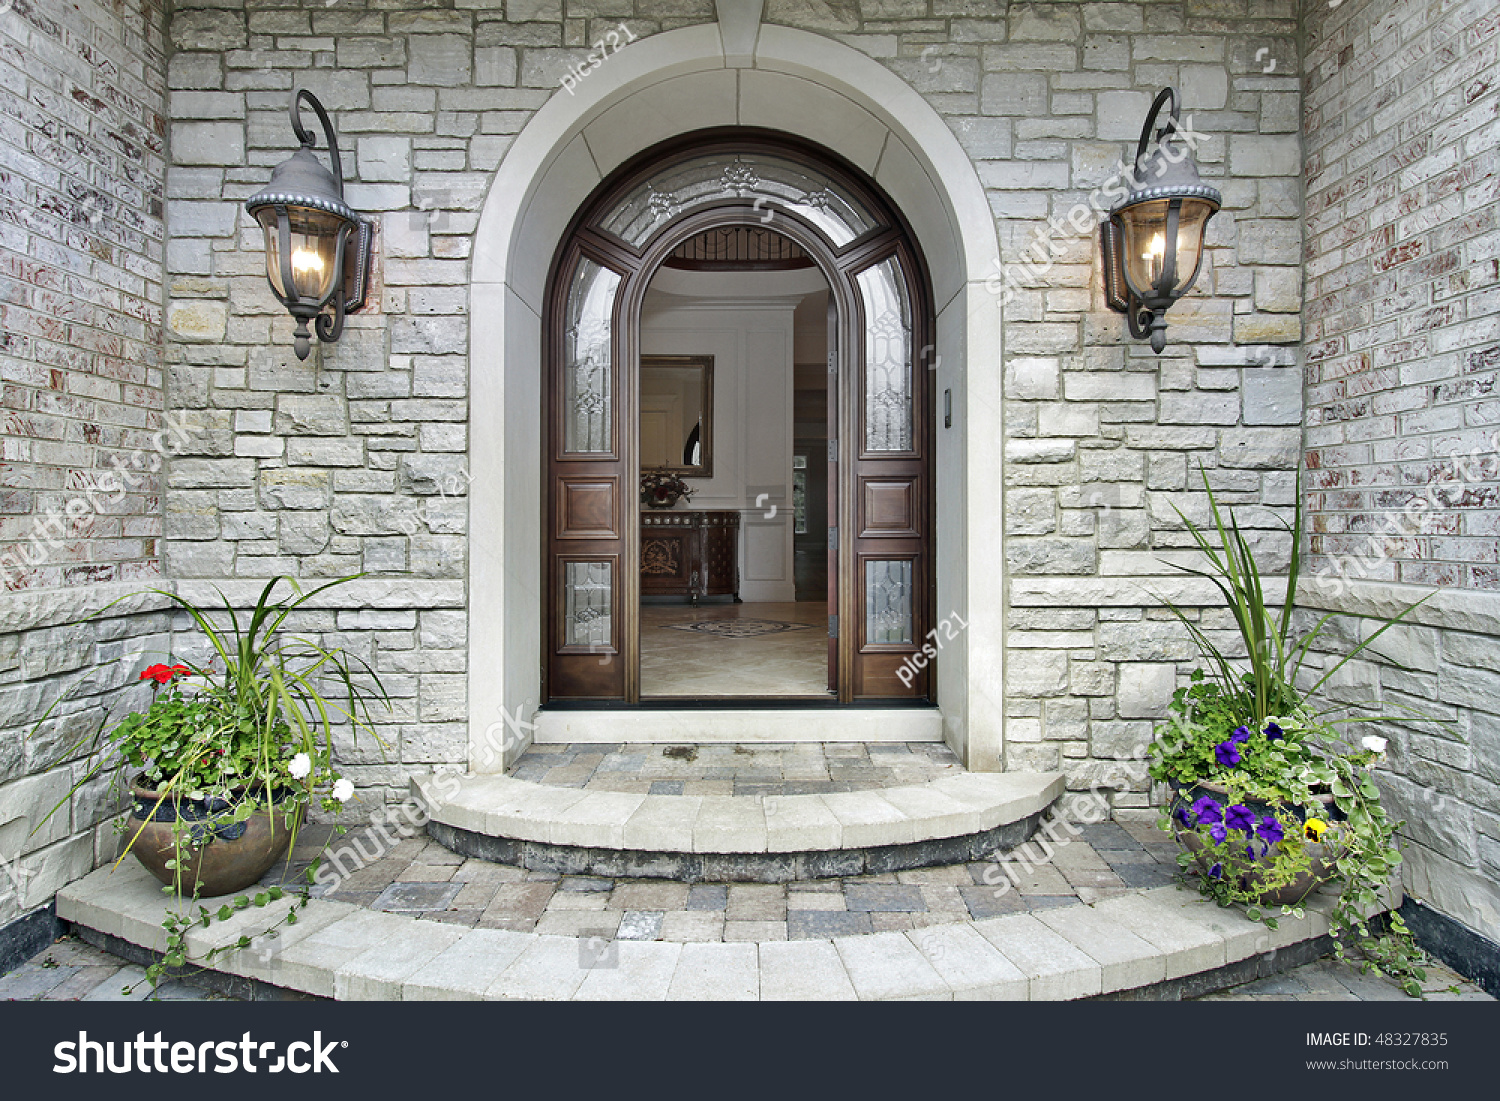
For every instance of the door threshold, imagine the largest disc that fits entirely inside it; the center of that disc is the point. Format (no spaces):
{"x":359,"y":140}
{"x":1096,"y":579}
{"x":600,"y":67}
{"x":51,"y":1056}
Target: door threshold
{"x":737,"y":703}
{"x":709,"y":721}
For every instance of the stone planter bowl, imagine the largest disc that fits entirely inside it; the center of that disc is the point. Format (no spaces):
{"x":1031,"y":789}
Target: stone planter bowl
{"x":234,"y":855}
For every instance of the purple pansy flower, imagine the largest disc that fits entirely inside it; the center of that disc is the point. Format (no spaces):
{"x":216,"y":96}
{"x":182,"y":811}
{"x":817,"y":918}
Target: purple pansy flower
{"x":1206,"y":810}
{"x":1218,"y":833}
{"x":1181,"y":814}
{"x":1270,"y":830}
{"x":1239,"y":817}
{"x":1217,"y":871}
{"x":1227,"y":753}
{"x":1241,"y":734}
{"x":1273,"y":732}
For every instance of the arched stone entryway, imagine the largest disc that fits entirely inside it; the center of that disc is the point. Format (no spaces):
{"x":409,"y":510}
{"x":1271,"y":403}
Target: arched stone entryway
{"x":733,"y":73}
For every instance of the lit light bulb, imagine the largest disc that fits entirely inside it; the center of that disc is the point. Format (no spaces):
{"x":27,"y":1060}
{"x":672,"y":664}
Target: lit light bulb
{"x":1154,"y":255}
{"x":305,"y":261}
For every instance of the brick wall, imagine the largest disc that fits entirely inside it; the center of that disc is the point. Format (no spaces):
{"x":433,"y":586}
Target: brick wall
{"x":82,"y":158}
{"x":1403,"y":291}
{"x":82,"y":169}
{"x":1403,"y":350}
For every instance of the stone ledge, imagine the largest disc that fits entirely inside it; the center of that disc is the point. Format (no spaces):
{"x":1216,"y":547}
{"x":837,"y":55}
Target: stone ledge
{"x":949,"y":807}
{"x":29,"y":610}
{"x":1453,"y":610}
{"x":1152,"y":944}
{"x":368,"y":592}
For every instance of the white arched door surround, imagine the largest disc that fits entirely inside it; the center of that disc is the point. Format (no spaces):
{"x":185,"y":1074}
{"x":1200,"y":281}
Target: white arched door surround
{"x":683,"y":80}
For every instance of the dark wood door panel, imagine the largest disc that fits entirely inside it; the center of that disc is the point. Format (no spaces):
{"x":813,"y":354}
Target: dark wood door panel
{"x":589,"y":508}
{"x":890,"y":508}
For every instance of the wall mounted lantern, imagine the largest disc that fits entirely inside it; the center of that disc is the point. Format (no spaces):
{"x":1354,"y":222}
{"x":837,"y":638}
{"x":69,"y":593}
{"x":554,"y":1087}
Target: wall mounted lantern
{"x":317,"y":247}
{"x":1153,"y":238}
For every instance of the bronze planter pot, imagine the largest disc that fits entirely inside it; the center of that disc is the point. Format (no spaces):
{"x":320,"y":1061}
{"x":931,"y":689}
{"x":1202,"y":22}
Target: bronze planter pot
{"x":228,"y":857}
{"x":1250,"y":871}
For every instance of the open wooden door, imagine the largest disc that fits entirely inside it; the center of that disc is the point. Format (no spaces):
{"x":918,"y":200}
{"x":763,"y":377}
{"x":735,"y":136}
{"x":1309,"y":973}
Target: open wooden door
{"x":590,"y":486}
{"x":879,"y":406}
{"x":889,"y":554}
{"x":833,"y":495}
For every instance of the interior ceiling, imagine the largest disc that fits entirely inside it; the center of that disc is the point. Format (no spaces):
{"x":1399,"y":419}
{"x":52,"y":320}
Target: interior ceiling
{"x":739,"y":248}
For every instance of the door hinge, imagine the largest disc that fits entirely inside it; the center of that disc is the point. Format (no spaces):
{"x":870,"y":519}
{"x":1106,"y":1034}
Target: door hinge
{"x":833,"y":362}
{"x":833,"y":538}
{"x":833,"y":450}
{"x":833,"y":626}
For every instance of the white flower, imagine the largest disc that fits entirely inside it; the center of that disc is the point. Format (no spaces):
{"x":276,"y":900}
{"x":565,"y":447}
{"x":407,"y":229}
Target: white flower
{"x":1374,"y":744}
{"x":299,"y":766}
{"x":343,"y":790}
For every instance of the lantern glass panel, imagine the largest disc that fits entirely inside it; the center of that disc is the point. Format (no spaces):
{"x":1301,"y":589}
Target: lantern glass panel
{"x":315,"y":238}
{"x":1145,"y":227}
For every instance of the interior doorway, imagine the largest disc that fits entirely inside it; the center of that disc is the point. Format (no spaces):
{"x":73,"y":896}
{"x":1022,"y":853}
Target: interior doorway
{"x":682,"y":355}
{"x":733,"y":381}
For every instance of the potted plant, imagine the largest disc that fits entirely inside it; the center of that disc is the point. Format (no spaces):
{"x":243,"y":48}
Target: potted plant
{"x":1271,"y":797}
{"x":663,"y":489}
{"x":230,"y":756}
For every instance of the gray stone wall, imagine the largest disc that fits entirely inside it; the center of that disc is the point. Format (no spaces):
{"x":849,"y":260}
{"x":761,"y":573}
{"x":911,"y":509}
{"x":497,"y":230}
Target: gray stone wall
{"x":1403,"y":346}
{"x":82,"y":169}
{"x":355,"y":459}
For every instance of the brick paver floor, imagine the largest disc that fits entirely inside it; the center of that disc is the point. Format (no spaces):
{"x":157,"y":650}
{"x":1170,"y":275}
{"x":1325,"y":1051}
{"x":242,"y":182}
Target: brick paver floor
{"x":420,"y":878}
{"x":809,"y":768}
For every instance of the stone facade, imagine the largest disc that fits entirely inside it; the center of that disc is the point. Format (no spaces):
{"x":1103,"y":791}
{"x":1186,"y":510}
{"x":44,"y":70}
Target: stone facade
{"x":355,"y":459}
{"x":358,"y":458}
{"x":83,"y":138}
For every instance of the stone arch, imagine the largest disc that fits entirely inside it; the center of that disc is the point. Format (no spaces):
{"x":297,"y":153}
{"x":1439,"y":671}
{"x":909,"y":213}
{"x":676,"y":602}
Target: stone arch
{"x":711,"y":75}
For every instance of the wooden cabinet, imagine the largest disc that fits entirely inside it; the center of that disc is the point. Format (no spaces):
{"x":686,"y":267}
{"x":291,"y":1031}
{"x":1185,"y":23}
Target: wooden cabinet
{"x":690,"y":553}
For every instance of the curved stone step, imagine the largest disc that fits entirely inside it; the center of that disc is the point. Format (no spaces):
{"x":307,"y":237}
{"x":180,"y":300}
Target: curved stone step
{"x":1160,"y":942}
{"x":767,"y":838}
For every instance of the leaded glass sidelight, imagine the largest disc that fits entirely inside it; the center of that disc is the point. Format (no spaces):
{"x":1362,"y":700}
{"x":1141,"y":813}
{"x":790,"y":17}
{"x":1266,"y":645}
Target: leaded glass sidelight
{"x":889,"y":609}
{"x":888,"y":382}
{"x":753,"y":176}
{"x":588,"y":605}
{"x":588,"y":363}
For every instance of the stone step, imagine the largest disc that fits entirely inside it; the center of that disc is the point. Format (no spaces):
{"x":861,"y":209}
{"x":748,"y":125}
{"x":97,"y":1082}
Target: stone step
{"x":762,"y":838}
{"x":1131,"y":943}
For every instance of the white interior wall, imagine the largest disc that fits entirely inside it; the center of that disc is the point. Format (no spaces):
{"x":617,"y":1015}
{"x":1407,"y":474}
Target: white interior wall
{"x":746,"y":321}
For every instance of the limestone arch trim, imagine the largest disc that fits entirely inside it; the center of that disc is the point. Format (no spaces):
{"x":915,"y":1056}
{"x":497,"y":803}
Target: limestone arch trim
{"x":663,"y":85}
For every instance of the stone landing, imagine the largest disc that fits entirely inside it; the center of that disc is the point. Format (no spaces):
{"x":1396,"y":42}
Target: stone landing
{"x":750,"y":837}
{"x":1165,"y":942}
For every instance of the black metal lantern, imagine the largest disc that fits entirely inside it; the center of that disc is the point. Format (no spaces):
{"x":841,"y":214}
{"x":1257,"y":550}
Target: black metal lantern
{"x":317,"y":247}
{"x":1153,"y":238}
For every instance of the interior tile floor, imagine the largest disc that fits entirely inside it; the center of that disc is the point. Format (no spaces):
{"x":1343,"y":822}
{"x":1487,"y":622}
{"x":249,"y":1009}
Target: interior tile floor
{"x":675,"y":662}
{"x":801,"y":768}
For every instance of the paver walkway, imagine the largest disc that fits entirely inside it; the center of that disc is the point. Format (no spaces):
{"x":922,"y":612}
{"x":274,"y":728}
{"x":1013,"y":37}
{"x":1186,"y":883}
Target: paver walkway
{"x":421,"y":878}
{"x":71,"y":970}
{"x":810,"y":768}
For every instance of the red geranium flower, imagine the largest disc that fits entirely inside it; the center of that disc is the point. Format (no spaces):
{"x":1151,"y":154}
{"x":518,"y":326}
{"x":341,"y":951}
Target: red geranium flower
{"x":163,"y":674}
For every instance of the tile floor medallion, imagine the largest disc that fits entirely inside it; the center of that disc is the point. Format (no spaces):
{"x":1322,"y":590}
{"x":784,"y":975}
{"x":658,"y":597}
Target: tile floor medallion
{"x":715,"y":650}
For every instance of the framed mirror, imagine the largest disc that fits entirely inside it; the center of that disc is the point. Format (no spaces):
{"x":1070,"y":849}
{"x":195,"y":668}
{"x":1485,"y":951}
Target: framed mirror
{"x":677,"y":414}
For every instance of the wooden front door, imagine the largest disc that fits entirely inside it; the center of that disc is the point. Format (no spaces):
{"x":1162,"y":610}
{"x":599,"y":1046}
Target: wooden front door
{"x":880,"y":450}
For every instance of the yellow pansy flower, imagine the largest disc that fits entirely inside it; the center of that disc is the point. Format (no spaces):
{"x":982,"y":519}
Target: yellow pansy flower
{"x":1314,"y":828}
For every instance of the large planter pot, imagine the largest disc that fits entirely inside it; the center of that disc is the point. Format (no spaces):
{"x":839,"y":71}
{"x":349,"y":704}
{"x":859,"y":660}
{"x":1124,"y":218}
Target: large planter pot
{"x":1251,"y":872}
{"x":221,"y":856}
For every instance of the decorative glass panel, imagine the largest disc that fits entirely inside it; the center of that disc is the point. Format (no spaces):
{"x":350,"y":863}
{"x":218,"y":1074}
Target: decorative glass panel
{"x":799,"y":500}
{"x":588,"y":603}
{"x":588,"y":368}
{"x":888,"y":600}
{"x":781,"y":183}
{"x":888,"y":382}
